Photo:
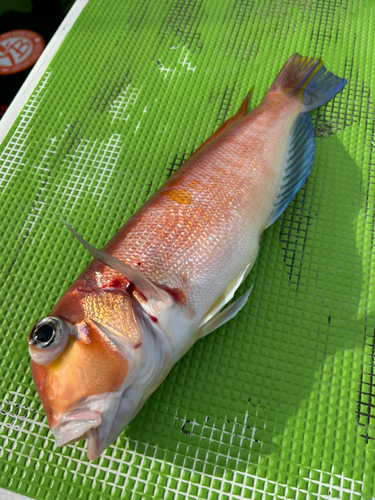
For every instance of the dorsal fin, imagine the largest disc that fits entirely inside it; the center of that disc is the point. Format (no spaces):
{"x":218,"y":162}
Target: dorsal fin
{"x":144,"y":285}
{"x":298,"y":164}
{"x":243,"y":111}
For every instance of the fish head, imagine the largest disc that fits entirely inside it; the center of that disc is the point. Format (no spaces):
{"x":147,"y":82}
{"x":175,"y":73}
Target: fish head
{"x":94,"y":362}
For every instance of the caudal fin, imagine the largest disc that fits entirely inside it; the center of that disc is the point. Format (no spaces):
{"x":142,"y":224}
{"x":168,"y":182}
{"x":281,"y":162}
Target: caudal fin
{"x":308,"y":79}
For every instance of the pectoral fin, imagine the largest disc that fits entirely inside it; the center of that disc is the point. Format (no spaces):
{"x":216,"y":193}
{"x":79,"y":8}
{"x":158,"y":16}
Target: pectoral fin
{"x":144,"y":285}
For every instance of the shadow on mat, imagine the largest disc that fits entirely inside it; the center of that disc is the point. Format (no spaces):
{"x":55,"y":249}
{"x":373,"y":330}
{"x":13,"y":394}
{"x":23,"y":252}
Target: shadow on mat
{"x":271,"y":384}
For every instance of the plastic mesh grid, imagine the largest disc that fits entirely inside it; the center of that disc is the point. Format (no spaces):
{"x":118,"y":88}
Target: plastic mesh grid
{"x":279,"y":403}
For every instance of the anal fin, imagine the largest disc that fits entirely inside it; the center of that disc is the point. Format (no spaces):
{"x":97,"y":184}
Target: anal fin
{"x":298,"y":164}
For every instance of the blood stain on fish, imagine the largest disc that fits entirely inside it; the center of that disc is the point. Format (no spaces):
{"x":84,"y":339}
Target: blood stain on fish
{"x":115,"y":284}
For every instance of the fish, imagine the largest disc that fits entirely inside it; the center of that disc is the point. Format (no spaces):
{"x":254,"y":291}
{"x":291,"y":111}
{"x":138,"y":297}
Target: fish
{"x":168,"y":276}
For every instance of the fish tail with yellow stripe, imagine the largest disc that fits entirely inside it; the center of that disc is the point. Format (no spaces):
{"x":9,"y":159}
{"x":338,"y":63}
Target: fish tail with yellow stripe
{"x":306,"y":78}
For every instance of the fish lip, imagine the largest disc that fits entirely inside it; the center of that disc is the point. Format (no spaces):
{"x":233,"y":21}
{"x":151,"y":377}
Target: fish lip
{"x":74,"y":425}
{"x":94,"y":448}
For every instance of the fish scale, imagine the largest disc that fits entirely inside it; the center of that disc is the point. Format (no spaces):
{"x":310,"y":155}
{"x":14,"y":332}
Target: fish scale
{"x":234,"y":186}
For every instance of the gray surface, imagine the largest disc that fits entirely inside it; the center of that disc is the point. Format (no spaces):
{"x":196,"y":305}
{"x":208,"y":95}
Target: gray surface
{"x":9,"y":495}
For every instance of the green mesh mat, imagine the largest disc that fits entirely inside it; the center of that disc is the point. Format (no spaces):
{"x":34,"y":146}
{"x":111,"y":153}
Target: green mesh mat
{"x":280,"y":402}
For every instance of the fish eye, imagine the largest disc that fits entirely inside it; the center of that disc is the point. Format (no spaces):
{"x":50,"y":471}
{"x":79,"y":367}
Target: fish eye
{"x":51,"y":333}
{"x":43,"y":334}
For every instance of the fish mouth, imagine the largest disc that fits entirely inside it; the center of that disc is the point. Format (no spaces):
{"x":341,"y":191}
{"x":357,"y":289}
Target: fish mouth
{"x":74,"y":426}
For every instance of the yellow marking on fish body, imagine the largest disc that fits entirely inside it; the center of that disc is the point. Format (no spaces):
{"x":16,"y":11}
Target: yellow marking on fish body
{"x":181,"y":196}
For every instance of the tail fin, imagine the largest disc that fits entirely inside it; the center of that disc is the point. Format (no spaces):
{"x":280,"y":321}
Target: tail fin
{"x":308,"y":79}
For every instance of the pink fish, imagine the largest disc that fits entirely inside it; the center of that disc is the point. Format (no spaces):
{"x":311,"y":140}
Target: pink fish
{"x":165,"y":279}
